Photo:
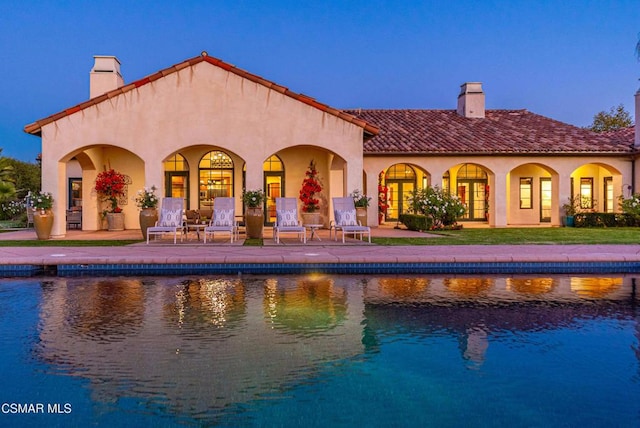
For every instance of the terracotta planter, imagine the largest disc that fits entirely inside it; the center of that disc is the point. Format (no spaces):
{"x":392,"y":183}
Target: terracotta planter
{"x":254,"y":221}
{"x":361,"y":215}
{"x":115,"y":221}
{"x":43,"y":223}
{"x":148,"y":218}
{"x":311,"y":218}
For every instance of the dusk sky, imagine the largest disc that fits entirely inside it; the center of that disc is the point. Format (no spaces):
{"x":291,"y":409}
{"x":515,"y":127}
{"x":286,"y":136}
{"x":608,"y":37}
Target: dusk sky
{"x":566,"y":60}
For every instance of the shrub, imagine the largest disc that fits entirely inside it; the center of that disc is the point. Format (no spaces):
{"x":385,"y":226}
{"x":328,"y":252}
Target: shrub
{"x":443,"y":208}
{"x":417,"y":222}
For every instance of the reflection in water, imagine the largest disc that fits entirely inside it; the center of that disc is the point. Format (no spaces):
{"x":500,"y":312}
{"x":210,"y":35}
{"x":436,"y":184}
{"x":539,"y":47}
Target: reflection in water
{"x":403,"y":287}
{"x":469,"y":286}
{"x":106,"y":311}
{"x":200,"y":348}
{"x":597,"y":288}
{"x":531,"y":285}
{"x":315,"y":304}
{"x":205,"y":303}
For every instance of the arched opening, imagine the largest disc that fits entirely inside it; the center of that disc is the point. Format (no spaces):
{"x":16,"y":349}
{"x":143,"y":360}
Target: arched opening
{"x":472,"y":189}
{"x":598,"y":188}
{"x":400,"y":180}
{"x":215,"y":175}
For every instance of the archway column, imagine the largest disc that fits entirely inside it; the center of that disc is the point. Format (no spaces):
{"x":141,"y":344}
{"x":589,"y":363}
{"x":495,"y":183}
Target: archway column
{"x":498,"y":199}
{"x":56,"y":175}
{"x":372,"y":192}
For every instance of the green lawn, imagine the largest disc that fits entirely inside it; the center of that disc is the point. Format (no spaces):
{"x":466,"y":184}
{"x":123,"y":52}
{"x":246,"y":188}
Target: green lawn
{"x":525,"y":235}
{"x":512,"y":236}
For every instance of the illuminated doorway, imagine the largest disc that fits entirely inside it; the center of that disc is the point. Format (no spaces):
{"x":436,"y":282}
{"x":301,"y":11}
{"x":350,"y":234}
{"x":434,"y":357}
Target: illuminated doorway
{"x":400,"y":180}
{"x":471,"y":185}
{"x":273,"y":186}
{"x":176,"y":175}
{"x":545,"y":200}
{"x":215,"y":173}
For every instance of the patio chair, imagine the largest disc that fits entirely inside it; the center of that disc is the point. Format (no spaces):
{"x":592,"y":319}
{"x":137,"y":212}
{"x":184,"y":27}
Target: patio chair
{"x":74,"y":219}
{"x":287,"y":219}
{"x":223,"y":218}
{"x":344,"y":213}
{"x":170,"y":220}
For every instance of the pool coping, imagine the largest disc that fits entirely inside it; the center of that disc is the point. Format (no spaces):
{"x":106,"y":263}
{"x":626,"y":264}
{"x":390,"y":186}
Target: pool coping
{"x":365,"y":259}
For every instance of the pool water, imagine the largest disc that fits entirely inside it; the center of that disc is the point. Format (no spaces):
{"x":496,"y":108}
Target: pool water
{"x":320,"y":351}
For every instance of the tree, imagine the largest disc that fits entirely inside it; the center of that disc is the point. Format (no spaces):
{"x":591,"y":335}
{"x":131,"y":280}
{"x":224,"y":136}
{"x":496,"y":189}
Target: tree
{"x":7,"y":180}
{"x":27,"y":177}
{"x":615,"y":118}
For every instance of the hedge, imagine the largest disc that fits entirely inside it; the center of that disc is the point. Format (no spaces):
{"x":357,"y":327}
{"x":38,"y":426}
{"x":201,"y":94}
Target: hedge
{"x":605,"y":220}
{"x":416,"y":222}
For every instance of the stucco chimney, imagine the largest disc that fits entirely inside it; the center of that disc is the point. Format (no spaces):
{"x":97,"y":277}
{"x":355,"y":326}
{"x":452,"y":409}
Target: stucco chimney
{"x":105,"y":75}
{"x":471,"y":100}
{"x":637,"y":125}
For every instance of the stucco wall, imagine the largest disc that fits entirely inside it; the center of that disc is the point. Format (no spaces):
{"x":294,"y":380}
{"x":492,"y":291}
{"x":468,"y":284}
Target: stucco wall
{"x":202,"y":105}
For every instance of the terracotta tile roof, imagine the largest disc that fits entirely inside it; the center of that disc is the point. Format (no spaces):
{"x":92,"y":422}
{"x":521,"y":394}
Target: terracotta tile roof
{"x":501,"y":131}
{"x":369,"y":129}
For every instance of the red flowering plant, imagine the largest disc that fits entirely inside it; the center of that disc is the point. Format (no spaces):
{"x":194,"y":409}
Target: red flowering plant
{"x":383,"y":190}
{"x":310,"y":186}
{"x":111,"y":187}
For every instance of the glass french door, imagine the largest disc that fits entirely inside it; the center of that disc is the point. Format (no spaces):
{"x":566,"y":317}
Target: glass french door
{"x":545,"y":200}
{"x":397,"y":197}
{"x":472,"y":193}
{"x":177,"y":185}
{"x":609,"y":200}
{"x":274,"y":188}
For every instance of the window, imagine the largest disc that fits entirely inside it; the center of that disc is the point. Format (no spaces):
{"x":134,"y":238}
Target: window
{"x":586,"y":193}
{"x":216,"y":177}
{"x":526,"y":190}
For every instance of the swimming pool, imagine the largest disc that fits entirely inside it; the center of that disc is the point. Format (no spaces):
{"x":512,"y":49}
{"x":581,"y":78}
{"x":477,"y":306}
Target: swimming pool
{"x":320,"y":350}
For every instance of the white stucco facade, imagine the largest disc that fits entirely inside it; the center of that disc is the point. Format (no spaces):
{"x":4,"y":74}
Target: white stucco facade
{"x":204,"y":105}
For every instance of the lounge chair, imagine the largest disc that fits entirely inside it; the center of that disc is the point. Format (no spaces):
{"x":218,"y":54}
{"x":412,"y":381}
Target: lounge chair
{"x":287,"y":219}
{"x":223,"y":218}
{"x":170,"y":220}
{"x":344,"y":213}
{"x":30,"y":217}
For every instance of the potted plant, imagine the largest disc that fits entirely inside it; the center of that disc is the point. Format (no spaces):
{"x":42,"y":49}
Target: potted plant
{"x":254,"y":215}
{"x":570,"y":210}
{"x":41,"y":203}
{"x":310,"y":187}
{"x":147,"y":201}
{"x":111,"y":188}
{"x":361,"y":202}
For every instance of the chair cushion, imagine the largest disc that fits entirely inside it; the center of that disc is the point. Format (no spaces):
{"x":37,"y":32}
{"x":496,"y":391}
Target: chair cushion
{"x":223,"y":218}
{"x":346,"y":218}
{"x":287,"y":218}
{"x":171,"y":218}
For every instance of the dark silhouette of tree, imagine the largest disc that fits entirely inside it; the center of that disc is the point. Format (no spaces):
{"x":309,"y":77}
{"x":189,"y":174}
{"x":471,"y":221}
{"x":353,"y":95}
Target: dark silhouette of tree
{"x":615,"y":118}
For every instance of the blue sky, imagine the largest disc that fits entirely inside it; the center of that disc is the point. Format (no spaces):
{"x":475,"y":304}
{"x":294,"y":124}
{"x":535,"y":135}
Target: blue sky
{"x":563,"y":59}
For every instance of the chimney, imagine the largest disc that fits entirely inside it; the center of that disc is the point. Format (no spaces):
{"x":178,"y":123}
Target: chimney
{"x":471,"y":100}
{"x":105,"y":75}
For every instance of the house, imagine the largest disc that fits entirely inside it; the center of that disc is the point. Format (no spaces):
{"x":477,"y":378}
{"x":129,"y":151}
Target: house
{"x":204,"y":128}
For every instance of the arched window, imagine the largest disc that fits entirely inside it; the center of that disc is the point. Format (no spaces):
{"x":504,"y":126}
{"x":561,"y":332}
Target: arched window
{"x":215,"y":177}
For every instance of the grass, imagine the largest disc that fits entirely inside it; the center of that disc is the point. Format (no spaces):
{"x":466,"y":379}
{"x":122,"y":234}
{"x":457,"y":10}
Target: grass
{"x":480,"y":236}
{"x":518,"y":236}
